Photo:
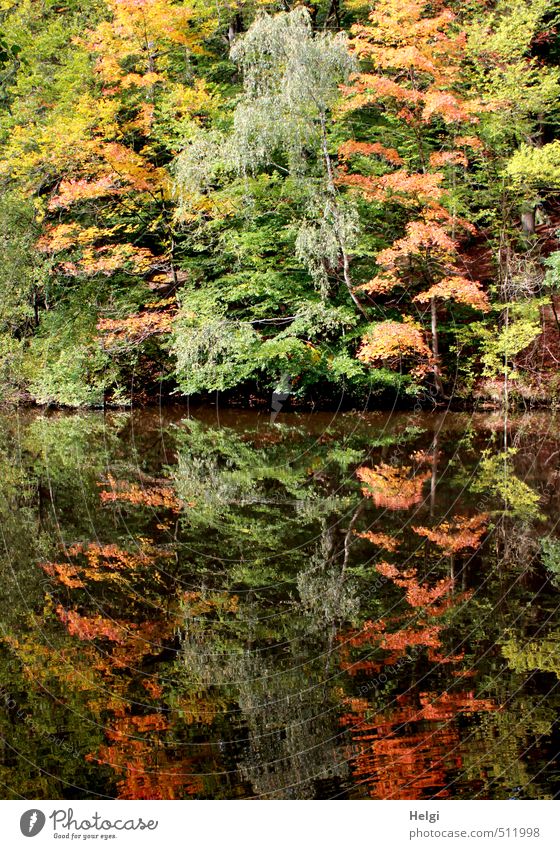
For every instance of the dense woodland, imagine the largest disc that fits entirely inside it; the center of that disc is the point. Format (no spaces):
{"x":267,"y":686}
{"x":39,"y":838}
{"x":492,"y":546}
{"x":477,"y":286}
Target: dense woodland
{"x":337,"y":199}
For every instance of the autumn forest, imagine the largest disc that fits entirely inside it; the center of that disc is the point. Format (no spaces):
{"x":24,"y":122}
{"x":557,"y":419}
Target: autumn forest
{"x":252,"y":197}
{"x":279,"y":388}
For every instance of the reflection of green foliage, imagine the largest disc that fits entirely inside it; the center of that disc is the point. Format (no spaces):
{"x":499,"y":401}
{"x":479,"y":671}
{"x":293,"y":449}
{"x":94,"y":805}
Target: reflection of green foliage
{"x":542,"y":654}
{"x":551,"y":559}
{"x":500,"y":736}
{"x":495,"y":475}
{"x":255,"y":502}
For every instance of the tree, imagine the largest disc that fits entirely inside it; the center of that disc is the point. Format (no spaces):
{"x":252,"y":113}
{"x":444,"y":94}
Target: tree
{"x":277,"y":186}
{"x":413,"y":81}
{"x":94,"y":165}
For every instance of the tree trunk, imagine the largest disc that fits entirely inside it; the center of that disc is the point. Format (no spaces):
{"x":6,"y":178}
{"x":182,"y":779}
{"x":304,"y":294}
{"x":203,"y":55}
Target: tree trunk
{"x":433,"y":481}
{"x":332,"y":192}
{"x":435,"y":349}
{"x":528,"y":222}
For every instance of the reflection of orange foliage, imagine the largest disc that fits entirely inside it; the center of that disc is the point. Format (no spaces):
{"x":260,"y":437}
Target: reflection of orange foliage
{"x":90,"y":627}
{"x":103,"y":563}
{"x":417,"y":595}
{"x":110,"y":556}
{"x":146,"y":768}
{"x":397,"y":761}
{"x":197,"y":603}
{"x":407,"y":637}
{"x":430,"y":601}
{"x":154,"y":495}
{"x":458,"y":534}
{"x":152,"y":687}
{"x":370,"y":632}
{"x":392,"y":487}
{"x":66,"y":573}
{"x":381,"y":540}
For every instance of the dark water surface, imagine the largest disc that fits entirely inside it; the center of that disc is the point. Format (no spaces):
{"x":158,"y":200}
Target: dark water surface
{"x":324,"y":606}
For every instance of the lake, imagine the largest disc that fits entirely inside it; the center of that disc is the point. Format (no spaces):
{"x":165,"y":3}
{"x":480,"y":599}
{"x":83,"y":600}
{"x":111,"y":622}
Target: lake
{"x":225,"y":605}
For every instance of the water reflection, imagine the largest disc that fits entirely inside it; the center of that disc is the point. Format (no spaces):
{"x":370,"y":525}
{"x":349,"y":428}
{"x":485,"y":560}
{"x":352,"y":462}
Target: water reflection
{"x":350,"y":606}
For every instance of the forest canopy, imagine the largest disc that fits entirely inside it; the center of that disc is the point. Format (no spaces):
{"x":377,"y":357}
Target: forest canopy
{"x":313,"y":199}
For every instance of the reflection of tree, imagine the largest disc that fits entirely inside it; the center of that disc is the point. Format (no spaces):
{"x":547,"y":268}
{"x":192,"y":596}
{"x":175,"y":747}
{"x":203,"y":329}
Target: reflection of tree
{"x":193,"y":615}
{"x":279,"y":678}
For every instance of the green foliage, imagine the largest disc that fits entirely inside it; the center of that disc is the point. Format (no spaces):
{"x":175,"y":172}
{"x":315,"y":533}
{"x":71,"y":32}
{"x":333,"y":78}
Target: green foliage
{"x":65,"y":363}
{"x":212,"y":354}
{"x":537,"y":167}
{"x":499,"y":349}
{"x":24,"y":271}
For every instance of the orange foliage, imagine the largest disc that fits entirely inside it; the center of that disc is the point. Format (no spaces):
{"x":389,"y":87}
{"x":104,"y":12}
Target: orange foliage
{"x":390,"y":342}
{"x":421,"y":239}
{"x":71,"y":191}
{"x":458,"y":289}
{"x":369,"y":89}
{"x":423,"y":53}
{"x":136,"y":30}
{"x":469,"y":141}
{"x":450,"y":157}
{"x":138,"y":327}
{"x":414,"y":53}
{"x":411,"y":190}
{"x":353,"y":148}
{"x":132,"y":168}
{"x":110,"y":258}
{"x":92,"y":258}
{"x":61,"y":237}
